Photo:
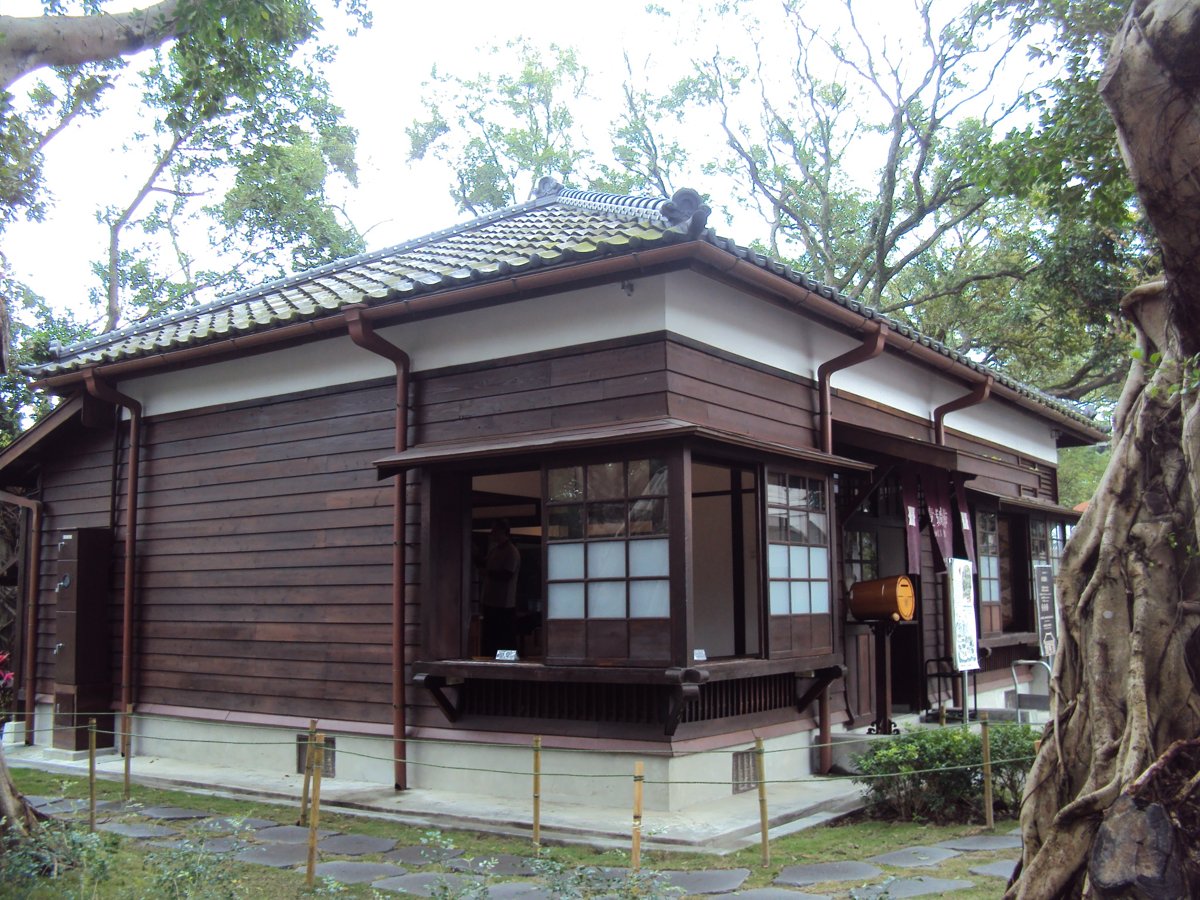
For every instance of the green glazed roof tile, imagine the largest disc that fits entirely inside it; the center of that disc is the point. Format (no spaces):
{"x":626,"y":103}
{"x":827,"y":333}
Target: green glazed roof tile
{"x":557,"y":227}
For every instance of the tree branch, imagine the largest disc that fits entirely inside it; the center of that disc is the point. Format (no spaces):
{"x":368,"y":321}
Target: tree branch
{"x":34,"y":42}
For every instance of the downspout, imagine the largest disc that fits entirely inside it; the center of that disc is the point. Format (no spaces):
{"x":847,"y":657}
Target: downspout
{"x":108,"y":394}
{"x":364,"y":336}
{"x":31,"y":604}
{"x":978,"y":395}
{"x":872,"y":346}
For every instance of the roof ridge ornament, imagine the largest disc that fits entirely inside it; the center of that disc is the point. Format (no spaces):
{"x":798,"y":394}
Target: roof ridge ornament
{"x":686,"y":205}
{"x":547,"y":186}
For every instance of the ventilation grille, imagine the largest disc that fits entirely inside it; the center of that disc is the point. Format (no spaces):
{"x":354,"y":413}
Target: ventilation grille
{"x":744,"y":776}
{"x":329,"y":769}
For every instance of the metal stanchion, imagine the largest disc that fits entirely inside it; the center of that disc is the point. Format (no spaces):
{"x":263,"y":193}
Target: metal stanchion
{"x":91,"y":774}
{"x":639,"y":778}
{"x":537,"y":790}
{"x":989,"y":818}
{"x":760,"y":765}
{"x":315,"y":814}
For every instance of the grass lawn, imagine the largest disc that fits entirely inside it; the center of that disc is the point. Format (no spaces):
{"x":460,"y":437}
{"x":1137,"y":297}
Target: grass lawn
{"x":135,"y":870}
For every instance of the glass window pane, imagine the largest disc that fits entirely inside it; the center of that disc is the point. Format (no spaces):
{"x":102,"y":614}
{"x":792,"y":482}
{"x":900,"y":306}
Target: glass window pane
{"x":606,"y":600}
{"x":781,"y":603}
{"x":564,"y":561}
{"x":818,"y":563}
{"x":777,"y":525}
{"x":565,"y":522}
{"x":648,"y":517}
{"x":797,"y":493}
{"x":650,"y":558}
{"x":820,"y":597}
{"x":799,"y":600}
{"x":564,"y":601}
{"x":798,"y":527}
{"x":799,"y":560}
{"x":816,"y":495}
{"x":566,"y":483}
{"x":605,"y":520}
{"x":777,"y":561}
{"x":776,"y":489}
{"x":606,"y":481}
{"x":649,"y":599}
{"x":606,"y":559}
{"x":647,"y":476}
{"x":817,"y":529}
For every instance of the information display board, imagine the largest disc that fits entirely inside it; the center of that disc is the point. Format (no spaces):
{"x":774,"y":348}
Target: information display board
{"x":961,"y":585}
{"x":1047,"y":608}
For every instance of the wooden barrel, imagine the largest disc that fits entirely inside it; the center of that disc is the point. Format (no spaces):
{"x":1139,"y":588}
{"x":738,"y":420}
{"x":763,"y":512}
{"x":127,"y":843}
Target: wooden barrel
{"x":884,"y":598}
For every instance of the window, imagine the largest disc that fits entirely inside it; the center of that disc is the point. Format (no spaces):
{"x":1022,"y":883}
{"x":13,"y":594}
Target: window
{"x":988,"y":545}
{"x":607,"y":550}
{"x":860,"y":556}
{"x":798,"y":567}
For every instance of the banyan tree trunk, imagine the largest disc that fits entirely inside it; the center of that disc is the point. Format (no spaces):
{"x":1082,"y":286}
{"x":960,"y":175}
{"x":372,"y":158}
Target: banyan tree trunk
{"x":1125,"y":683}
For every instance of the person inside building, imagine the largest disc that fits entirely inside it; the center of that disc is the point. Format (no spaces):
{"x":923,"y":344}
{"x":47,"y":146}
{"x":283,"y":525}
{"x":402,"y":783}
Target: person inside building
{"x":498,"y":591}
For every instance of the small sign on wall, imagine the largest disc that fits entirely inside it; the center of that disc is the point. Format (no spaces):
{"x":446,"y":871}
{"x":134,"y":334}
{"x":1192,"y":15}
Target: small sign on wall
{"x":961,"y":589}
{"x":1047,"y":608}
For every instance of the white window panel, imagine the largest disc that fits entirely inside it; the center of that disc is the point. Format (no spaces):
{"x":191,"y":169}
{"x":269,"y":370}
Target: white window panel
{"x":606,"y":600}
{"x":565,"y":561}
{"x":649,"y":599}
{"x":648,"y":559}
{"x":606,"y":559}
{"x":565,"y":601}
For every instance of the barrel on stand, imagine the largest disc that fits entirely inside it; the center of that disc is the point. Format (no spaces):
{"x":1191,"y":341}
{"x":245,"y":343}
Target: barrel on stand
{"x":884,"y":598}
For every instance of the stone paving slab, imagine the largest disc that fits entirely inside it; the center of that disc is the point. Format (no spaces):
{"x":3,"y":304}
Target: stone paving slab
{"x":279,"y":856}
{"x":171,"y":813}
{"x":355,"y":844}
{"x":211,"y":845}
{"x":345,"y":872}
{"x":423,"y":884}
{"x":914,"y":857}
{"x":714,"y":881}
{"x":983,"y":842}
{"x":774,"y":893}
{"x":139,"y":830}
{"x":289,"y":834}
{"x":921,"y":886}
{"x":1001,"y":868}
{"x":233,"y":823}
{"x":500,"y":864}
{"x":422,"y":856}
{"x":817,"y":873}
{"x":524,"y":890}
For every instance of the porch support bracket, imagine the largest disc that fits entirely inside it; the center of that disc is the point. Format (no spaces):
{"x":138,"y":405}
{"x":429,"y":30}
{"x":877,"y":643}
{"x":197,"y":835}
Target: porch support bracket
{"x":436,"y":685}
{"x":822,"y":678}
{"x":685,"y":689}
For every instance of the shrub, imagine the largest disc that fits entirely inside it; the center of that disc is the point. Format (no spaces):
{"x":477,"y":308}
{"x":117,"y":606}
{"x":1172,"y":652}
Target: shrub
{"x":68,"y":854}
{"x":936,"y":774}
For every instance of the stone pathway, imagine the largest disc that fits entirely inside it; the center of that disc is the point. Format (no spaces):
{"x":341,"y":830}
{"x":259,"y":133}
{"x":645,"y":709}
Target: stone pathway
{"x":448,"y":872}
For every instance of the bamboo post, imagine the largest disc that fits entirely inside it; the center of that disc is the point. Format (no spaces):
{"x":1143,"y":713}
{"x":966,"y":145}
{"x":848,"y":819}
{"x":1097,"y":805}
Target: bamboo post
{"x":92,"y":774}
{"x":942,"y":715}
{"x":127,"y":743}
{"x":308,"y":771}
{"x":989,"y":817}
{"x":315,"y":815}
{"x":760,"y":766}
{"x":537,"y":790}
{"x":639,"y":779}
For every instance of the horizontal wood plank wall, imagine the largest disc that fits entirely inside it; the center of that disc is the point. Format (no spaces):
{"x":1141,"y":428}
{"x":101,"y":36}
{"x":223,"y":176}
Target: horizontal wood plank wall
{"x":710,"y":389}
{"x":264,"y":569}
{"x":76,"y":488}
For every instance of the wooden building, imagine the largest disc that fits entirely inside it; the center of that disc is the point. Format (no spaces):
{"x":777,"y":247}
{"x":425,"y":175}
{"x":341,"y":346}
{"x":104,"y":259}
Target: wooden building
{"x":274,"y":507}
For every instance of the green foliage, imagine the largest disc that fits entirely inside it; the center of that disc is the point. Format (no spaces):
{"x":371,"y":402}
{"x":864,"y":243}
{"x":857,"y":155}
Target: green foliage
{"x":504,"y":129}
{"x":191,"y":871}
{"x":590,"y":882}
{"x":74,"y":859}
{"x":936,"y":774}
{"x":1079,"y":472}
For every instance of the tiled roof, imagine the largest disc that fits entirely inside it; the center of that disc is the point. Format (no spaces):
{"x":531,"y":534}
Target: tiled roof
{"x":556,"y":227}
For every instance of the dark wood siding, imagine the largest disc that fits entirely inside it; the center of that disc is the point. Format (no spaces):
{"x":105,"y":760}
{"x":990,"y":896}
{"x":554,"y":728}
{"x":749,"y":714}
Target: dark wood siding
{"x":264,"y":566}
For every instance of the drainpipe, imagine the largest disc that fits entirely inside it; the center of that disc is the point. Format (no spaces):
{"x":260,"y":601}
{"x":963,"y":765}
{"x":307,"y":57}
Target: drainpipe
{"x":31,"y":604}
{"x":872,"y":346}
{"x":108,"y":394}
{"x":978,"y":395}
{"x":364,"y":336}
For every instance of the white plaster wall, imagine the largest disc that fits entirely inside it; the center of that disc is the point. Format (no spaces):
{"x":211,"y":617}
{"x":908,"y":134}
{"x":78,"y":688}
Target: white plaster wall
{"x":686,"y":303}
{"x":715,"y":314}
{"x":527,"y":326}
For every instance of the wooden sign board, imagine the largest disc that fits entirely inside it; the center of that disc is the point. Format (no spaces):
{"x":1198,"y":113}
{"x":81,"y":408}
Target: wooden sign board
{"x":964,"y":649}
{"x":1047,"y":608}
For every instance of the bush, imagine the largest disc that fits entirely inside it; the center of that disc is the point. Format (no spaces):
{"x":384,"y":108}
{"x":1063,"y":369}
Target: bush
{"x":936,"y":774}
{"x":68,"y":854}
